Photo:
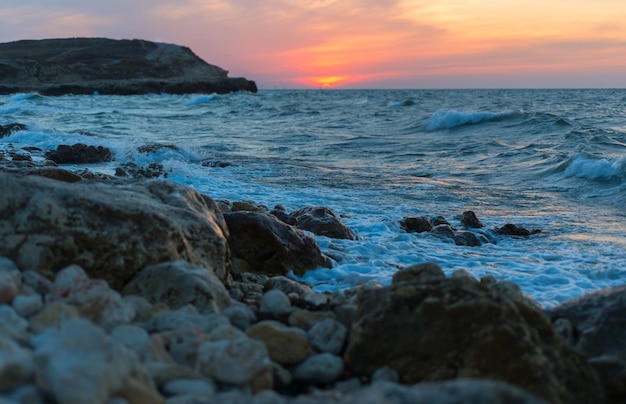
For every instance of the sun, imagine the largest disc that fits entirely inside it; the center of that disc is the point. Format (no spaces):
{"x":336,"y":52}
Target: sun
{"x":329,"y":81}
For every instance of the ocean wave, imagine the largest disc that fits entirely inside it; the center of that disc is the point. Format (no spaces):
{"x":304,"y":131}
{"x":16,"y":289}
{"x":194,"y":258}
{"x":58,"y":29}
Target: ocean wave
{"x":596,"y":169}
{"x":448,"y":118}
{"x":202,"y":99}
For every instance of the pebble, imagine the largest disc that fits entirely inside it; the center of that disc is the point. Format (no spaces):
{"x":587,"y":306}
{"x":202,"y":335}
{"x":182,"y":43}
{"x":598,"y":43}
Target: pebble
{"x":27,"y":305}
{"x":275,"y":302}
{"x":328,"y":336}
{"x":188,"y":386}
{"x":321,"y":368}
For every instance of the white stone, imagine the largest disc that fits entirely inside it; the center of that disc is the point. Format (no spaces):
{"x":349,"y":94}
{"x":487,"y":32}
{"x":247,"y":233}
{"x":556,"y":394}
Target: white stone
{"x":133,"y":337}
{"x":10,"y":280}
{"x":319,"y":369}
{"x":188,"y":386}
{"x":79,"y":363}
{"x":16,"y":364}
{"x":27,"y":305}
{"x":328,"y":336}
{"x":116,"y":312}
{"x":275,"y":302}
{"x":53,"y":315}
{"x":243,"y":362}
{"x":73,"y":286}
{"x":240,"y":316}
{"x":12,"y":324}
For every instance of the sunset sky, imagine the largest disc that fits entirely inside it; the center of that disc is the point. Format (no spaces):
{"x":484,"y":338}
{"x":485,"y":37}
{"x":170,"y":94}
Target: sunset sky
{"x":361,"y":43}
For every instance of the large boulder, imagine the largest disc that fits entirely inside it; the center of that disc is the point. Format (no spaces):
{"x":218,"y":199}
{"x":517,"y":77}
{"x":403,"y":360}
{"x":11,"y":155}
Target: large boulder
{"x":435,"y":328}
{"x":111,"y":230}
{"x":80,"y":154}
{"x":264,"y":244}
{"x":595,"y":324}
{"x":323,"y":222}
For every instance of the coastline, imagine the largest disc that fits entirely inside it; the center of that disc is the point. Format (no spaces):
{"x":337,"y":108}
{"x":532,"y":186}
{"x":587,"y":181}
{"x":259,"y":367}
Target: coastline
{"x":193,"y":314}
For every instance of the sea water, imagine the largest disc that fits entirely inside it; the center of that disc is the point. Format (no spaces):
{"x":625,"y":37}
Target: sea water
{"x":553,"y":160}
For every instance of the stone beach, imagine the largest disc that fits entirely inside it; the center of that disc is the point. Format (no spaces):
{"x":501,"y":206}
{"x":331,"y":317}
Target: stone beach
{"x":140,"y":290}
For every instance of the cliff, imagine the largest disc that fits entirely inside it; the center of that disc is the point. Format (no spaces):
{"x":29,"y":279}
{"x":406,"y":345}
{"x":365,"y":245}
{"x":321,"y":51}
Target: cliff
{"x":107,"y":66}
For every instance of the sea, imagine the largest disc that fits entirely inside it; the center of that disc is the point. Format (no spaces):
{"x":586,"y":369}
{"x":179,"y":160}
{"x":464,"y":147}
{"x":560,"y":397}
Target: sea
{"x":553,"y":160}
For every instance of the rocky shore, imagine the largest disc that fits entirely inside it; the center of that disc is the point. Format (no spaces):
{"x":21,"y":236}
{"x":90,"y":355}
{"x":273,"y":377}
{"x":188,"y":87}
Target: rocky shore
{"x":107,"y":66}
{"x":133,"y":289}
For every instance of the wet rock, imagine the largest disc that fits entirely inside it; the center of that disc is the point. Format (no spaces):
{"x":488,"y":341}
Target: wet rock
{"x":247,"y":206}
{"x":265,"y":244}
{"x":179,"y":283}
{"x":595,"y":325}
{"x":422,"y":272}
{"x":243,"y":362}
{"x":443,"y":231}
{"x":157,"y":147}
{"x":111,"y":230}
{"x":280,"y":212}
{"x":21,"y":157}
{"x":132,"y":170}
{"x":80,"y":153}
{"x":467,"y":238}
{"x":285,"y":345}
{"x":417,"y":224}
{"x":8,"y":129}
{"x":319,"y":369}
{"x":458,"y":327}
{"x":323,"y":222}
{"x":469,"y":219}
{"x":511,"y":229}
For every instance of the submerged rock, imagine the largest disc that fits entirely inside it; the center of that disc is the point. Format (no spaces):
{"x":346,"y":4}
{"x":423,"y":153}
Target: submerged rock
{"x":8,"y":129}
{"x":80,"y":154}
{"x":469,"y":219}
{"x":511,"y":229}
{"x":323,"y":222}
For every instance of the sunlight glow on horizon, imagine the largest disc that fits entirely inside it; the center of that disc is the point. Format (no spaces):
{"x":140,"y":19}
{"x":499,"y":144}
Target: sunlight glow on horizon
{"x":351,"y":43}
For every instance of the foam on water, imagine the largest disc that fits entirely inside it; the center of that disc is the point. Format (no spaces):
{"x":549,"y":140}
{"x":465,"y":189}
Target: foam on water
{"x":373,"y":162}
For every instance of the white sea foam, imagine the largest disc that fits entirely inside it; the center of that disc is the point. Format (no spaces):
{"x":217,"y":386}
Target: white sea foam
{"x":596,"y":169}
{"x":202,"y":99}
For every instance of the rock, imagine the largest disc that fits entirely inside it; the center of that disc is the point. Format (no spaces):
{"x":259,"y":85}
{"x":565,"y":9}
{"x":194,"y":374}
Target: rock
{"x":73,"y":286}
{"x":417,"y":224}
{"x":243,"y":362}
{"x":27,"y":305}
{"x":467,"y":238}
{"x":385,"y":374}
{"x":16,"y":364}
{"x":53,"y":315}
{"x":79,"y":350}
{"x":132,"y":170}
{"x":111,"y":230}
{"x":189,"y":386}
{"x":107,"y":66}
{"x":10,"y":281}
{"x":285,"y":345}
{"x":8,"y":129}
{"x":80,"y":154}
{"x":12,"y":325}
{"x":287,"y":285}
{"x":328,"y":336}
{"x":180,"y":283}
{"x":323,"y":222}
{"x":136,"y":391}
{"x":510,"y":229}
{"x":475,"y":391}
{"x":275,"y":302}
{"x":595,"y":325}
{"x":443,"y":231}
{"x":458,"y":327}
{"x":182,"y":319}
{"x":469,"y":219}
{"x":265,"y":244}
{"x":157,"y":147}
{"x":306,"y":319}
{"x":321,"y":368}
{"x":240,"y":316}
{"x":21,"y":157}
{"x":422,"y":272}
{"x":247,"y":206}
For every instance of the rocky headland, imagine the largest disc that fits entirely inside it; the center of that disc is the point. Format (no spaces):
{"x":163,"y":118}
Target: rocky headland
{"x":107,"y":66}
{"x":133,"y":289}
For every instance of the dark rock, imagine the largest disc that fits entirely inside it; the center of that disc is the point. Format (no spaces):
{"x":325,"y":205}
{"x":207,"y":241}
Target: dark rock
{"x":132,"y":170}
{"x":423,"y":272}
{"x":21,"y":157}
{"x":30,"y":168}
{"x":510,"y":229}
{"x":457,"y":327}
{"x":216,"y":163}
{"x":106,"y":66}
{"x":6,"y":130}
{"x":156,"y":147}
{"x":247,"y":206}
{"x":467,"y":238}
{"x":595,"y":324}
{"x":323,"y":222}
{"x":416,"y":224}
{"x":80,"y":154}
{"x":469,"y":219}
{"x":443,"y":231}
{"x":439,"y":220}
{"x":31,"y":149}
{"x":111,"y":230}
{"x":265,"y":244}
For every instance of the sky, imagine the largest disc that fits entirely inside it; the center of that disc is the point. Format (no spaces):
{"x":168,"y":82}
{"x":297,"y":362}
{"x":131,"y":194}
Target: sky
{"x":361,"y":43}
